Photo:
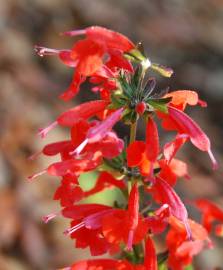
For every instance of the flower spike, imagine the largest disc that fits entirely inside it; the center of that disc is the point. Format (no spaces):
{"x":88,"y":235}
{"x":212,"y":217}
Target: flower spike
{"x":117,"y":71}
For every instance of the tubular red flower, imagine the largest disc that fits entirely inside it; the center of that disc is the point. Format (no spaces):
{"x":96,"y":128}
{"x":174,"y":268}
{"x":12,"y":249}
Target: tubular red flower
{"x":197,"y":136}
{"x":88,"y":55}
{"x":171,"y":171}
{"x":181,"y":252}
{"x":74,"y":87}
{"x":83,"y":111}
{"x":181,"y":98}
{"x":74,"y":166}
{"x":69,"y":192}
{"x":170,"y":149}
{"x":150,"y":261}
{"x":101,"y":35}
{"x":210,"y":213}
{"x":75,"y":115}
{"x":164,"y":194}
{"x":98,"y":132}
{"x":117,"y":69}
{"x":152,"y":141}
{"x":133,"y":210}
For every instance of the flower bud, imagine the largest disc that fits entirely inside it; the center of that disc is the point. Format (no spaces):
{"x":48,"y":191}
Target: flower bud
{"x":140,"y":108}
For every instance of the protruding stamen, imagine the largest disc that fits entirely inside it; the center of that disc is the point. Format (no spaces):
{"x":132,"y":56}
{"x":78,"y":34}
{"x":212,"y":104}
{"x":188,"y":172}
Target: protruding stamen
{"x":74,"y":228}
{"x":74,"y":33}
{"x":36,"y":175}
{"x":43,"y":131}
{"x":47,"y":218}
{"x":78,"y":150}
{"x":41,"y":51}
{"x":214,"y":162}
{"x":34,"y":156}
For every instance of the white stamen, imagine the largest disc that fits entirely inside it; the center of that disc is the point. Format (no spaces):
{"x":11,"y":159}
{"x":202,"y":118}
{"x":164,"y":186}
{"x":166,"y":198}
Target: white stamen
{"x":43,"y":131}
{"x":74,"y":228}
{"x":74,"y":33}
{"x":41,"y":51}
{"x":214,"y":162}
{"x":78,"y":150}
{"x":47,"y":218}
{"x":36,"y":175}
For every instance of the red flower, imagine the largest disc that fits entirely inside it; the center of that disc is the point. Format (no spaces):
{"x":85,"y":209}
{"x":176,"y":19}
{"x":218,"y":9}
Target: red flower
{"x":163,"y":193}
{"x":170,"y":149}
{"x":125,"y":225}
{"x":102,"y":264}
{"x":144,"y":155}
{"x":159,"y":220}
{"x":181,"y":98}
{"x":150,"y":262}
{"x":88,"y":55}
{"x":83,"y":111}
{"x":210,"y":213}
{"x":105,"y":180}
{"x":68,"y":192}
{"x":105,"y":82}
{"x":74,"y":166}
{"x":178,"y":120}
{"x":152,"y":141}
{"x":102,"y":57}
{"x":105,"y":37}
{"x":171,"y":171}
{"x":112,"y":226}
{"x":181,"y":250}
{"x":86,"y":227}
{"x":97,"y":141}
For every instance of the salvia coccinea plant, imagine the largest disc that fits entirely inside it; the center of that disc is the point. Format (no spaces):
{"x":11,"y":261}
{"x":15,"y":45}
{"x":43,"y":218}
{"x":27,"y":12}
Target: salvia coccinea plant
{"x":144,"y":171}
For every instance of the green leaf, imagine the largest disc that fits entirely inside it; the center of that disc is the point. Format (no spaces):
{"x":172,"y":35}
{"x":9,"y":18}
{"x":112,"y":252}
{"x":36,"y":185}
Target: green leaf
{"x":164,"y":71}
{"x":136,"y":55}
{"x":161,"y":100}
{"x":130,"y":117}
{"x":126,"y":88}
{"x":158,"y":106}
{"x":118,"y":101}
{"x":162,"y":257}
{"x":129,"y":57}
{"x":136,"y":77}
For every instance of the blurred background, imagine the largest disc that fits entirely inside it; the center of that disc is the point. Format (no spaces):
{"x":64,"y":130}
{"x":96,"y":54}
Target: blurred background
{"x":186,"y":35}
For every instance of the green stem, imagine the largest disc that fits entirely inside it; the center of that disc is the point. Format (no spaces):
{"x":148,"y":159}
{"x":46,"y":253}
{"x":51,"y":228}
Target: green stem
{"x":133,"y":129}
